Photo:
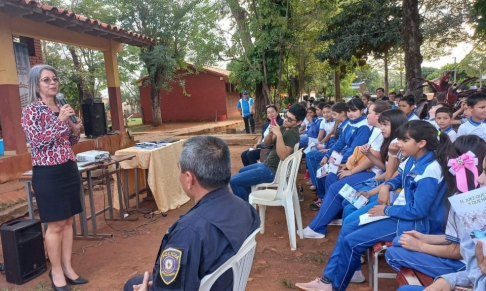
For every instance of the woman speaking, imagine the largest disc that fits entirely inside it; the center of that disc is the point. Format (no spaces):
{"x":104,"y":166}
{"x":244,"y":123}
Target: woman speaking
{"x":55,"y":176}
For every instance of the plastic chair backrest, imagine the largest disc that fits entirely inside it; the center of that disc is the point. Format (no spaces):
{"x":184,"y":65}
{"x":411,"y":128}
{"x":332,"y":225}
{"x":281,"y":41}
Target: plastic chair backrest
{"x":240,"y":263}
{"x":279,"y":168}
{"x":288,"y":175}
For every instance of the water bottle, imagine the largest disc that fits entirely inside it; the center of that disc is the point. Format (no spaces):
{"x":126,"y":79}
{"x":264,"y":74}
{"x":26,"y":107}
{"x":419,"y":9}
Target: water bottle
{"x":300,"y":191}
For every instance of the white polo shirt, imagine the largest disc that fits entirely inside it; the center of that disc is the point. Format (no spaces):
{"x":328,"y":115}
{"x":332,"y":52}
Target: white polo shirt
{"x":473,"y":127}
{"x":451,"y":133}
{"x":327,"y":126}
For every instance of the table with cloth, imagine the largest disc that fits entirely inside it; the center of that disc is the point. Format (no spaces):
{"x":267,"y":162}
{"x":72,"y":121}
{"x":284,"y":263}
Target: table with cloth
{"x":162,"y":176}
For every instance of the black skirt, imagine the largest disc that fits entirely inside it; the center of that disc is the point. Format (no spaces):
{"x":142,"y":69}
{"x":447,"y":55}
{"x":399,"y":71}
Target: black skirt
{"x":57,"y":191}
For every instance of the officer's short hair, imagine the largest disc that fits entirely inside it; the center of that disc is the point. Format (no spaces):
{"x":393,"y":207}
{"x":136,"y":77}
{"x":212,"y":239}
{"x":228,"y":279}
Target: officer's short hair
{"x":208,"y":159}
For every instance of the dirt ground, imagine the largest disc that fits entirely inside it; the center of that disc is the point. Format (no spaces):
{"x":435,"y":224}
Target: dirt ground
{"x":109,"y":263}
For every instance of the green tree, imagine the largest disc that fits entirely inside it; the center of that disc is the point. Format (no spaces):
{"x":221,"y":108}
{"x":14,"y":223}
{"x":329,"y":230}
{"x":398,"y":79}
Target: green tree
{"x":183,"y":31}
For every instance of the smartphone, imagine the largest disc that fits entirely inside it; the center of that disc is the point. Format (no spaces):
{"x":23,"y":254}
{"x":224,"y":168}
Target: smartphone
{"x":272,"y":121}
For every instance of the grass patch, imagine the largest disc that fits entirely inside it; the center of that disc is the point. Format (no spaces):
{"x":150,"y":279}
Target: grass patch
{"x":135,"y":121}
{"x":287,"y":283}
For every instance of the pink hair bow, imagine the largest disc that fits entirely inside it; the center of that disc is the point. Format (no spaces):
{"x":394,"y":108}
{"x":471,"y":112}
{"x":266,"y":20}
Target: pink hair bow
{"x":458,"y":168}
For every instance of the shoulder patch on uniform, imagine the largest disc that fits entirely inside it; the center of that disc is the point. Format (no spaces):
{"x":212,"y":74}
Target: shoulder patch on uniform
{"x":170,"y":263}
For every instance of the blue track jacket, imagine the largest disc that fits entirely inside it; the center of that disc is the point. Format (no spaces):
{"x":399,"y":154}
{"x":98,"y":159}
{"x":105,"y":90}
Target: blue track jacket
{"x":356,"y":133}
{"x":425,"y":188}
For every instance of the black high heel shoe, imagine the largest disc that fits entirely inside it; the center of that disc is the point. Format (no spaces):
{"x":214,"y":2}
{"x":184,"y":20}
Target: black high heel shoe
{"x":54,"y":287}
{"x":77,"y":281}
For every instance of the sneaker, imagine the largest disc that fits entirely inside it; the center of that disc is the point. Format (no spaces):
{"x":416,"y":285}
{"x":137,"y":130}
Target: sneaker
{"x":358,"y":277}
{"x":362,"y":259}
{"x":315,"y":285}
{"x":313,"y":188}
{"x":307,"y":175}
{"x":316,"y":205}
{"x":309,"y":233}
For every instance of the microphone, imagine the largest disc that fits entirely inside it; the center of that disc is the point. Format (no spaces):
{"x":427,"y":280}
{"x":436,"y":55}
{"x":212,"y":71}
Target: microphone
{"x":60,"y":98}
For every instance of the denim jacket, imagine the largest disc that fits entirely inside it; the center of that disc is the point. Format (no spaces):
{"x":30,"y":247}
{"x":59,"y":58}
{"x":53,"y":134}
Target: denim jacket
{"x":424,"y":188}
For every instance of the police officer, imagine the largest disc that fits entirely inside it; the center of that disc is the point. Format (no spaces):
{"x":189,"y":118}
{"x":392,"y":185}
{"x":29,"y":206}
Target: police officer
{"x":208,"y":234}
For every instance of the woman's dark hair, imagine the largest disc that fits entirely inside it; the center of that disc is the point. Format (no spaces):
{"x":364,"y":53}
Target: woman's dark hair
{"x":321,"y":105}
{"x":367,"y":96}
{"x":395,"y":117}
{"x":339,"y":107}
{"x":312,"y":109}
{"x":380,"y":106}
{"x":442,"y":146}
{"x":355,"y":104}
{"x":276,"y":109}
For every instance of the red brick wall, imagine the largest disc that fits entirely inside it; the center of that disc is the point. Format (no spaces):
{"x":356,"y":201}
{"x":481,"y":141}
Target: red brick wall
{"x":207,"y":100}
{"x":232,"y":99}
{"x":37,"y":59}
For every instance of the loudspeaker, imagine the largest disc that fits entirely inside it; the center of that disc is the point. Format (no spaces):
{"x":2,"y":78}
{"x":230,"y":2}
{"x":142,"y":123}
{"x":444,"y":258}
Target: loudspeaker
{"x":23,"y":250}
{"x":94,"y":119}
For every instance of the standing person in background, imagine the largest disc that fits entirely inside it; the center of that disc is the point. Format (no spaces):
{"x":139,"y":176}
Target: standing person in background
{"x":366,"y":98}
{"x":392,"y":97}
{"x":246,"y":108}
{"x":380,"y":95}
{"x":55,"y":176}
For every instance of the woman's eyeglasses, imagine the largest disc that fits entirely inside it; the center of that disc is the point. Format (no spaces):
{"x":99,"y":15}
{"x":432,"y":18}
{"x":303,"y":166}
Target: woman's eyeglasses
{"x":289,"y":119}
{"x":48,"y":80}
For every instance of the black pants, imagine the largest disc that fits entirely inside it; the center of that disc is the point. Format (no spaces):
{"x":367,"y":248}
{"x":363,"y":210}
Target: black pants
{"x":135,"y":280}
{"x":250,"y":157}
{"x":252,"y":123}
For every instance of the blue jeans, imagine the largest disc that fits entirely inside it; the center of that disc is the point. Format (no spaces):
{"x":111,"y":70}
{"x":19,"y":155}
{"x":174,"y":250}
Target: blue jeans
{"x":248,"y":176}
{"x":398,"y":257}
{"x":304,"y":140}
{"x":333,"y":202}
{"x":312,"y":160}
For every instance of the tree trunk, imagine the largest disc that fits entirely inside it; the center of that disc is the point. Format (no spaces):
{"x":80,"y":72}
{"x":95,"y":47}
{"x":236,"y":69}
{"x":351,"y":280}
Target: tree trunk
{"x":239,"y":14}
{"x":385,"y":59}
{"x":337,"y":85}
{"x":155,"y":98}
{"x":412,"y":40}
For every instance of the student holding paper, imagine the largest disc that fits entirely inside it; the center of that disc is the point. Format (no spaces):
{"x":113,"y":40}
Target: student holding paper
{"x":313,"y":158}
{"x":332,"y":201}
{"x":474,"y":256}
{"x":356,"y":133}
{"x":424,"y":188}
{"x":439,"y":254}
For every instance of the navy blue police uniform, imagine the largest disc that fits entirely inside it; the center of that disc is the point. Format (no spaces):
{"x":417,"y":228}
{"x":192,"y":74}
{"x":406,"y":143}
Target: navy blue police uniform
{"x":201,"y":241}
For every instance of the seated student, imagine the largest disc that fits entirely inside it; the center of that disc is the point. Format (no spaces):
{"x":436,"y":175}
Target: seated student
{"x":476,"y":123}
{"x":443,"y":118}
{"x":314,"y":116}
{"x":474,"y":274}
{"x":250,"y":157}
{"x":327,"y":123}
{"x":392,"y":95}
{"x":210,"y":233}
{"x":423,"y":191}
{"x":438,"y":254}
{"x":366,"y":99}
{"x":407,"y":105}
{"x":284,"y":139}
{"x":339,"y":113}
{"x":355,"y":134}
{"x":332,"y":202}
{"x":305,"y":123}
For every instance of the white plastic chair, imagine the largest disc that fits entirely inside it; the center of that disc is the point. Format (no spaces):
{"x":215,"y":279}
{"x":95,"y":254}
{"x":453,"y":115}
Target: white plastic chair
{"x":285,"y":195}
{"x":274,"y":183}
{"x":240,"y":263}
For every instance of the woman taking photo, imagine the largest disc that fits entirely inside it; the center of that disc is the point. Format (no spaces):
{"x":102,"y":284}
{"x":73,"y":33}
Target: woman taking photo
{"x":250,"y":157}
{"x":55,"y":176}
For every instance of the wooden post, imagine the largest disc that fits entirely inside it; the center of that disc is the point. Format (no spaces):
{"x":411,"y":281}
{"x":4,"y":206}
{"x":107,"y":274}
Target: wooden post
{"x":113,"y":82}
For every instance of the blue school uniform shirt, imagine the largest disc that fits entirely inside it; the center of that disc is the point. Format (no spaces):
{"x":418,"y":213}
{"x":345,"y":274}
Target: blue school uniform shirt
{"x":245,"y":105}
{"x":356,"y":133}
{"x":473,"y":127}
{"x":451,"y":133}
{"x":413,"y":116}
{"x":313,"y":128}
{"x":340,"y":131}
{"x":424,"y":189}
